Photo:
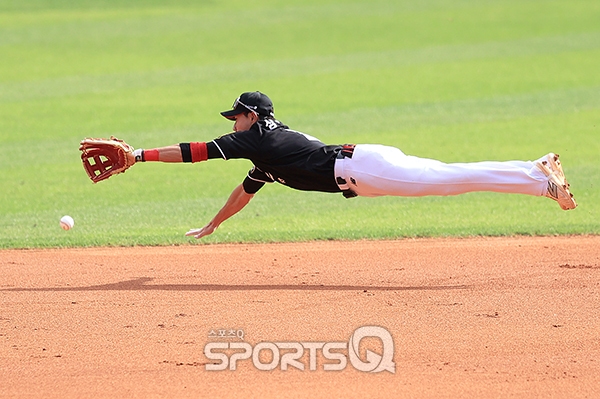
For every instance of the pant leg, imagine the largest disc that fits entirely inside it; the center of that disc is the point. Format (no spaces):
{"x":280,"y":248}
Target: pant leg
{"x":377,"y":170}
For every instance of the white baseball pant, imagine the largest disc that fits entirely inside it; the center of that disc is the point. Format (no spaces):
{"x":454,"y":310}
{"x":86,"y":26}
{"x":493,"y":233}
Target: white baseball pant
{"x":376,"y":170}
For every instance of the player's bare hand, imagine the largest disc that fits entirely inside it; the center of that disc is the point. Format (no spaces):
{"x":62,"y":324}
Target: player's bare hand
{"x":203,"y":232}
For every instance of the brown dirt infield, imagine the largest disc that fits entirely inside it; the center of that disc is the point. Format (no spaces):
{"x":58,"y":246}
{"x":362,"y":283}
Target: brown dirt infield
{"x":483,"y":317}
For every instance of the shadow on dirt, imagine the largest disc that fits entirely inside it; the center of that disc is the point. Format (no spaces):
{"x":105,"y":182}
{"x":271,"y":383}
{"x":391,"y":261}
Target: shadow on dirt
{"x":141,"y":284}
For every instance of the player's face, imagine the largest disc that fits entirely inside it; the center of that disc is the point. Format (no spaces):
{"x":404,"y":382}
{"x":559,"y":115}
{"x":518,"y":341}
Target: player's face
{"x":244,"y":121}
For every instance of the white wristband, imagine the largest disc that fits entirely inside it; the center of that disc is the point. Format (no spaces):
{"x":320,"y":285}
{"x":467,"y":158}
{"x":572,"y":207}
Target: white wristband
{"x":139,"y":155}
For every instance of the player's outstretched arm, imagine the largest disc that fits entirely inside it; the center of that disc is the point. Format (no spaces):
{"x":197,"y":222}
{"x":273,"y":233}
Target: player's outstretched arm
{"x":170,"y":153}
{"x":236,"y":202}
{"x":182,"y":152}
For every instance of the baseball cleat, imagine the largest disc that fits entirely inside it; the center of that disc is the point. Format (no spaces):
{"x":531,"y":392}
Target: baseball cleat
{"x":558,"y":187}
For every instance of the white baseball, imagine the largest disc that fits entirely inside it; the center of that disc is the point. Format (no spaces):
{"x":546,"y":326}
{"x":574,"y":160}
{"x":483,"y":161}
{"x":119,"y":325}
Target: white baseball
{"x":67,"y":222}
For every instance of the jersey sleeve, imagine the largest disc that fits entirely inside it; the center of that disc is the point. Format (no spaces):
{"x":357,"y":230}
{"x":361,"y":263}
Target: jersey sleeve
{"x":251,"y":186}
{"x":255,"y":180}
{"x":238,"y":144}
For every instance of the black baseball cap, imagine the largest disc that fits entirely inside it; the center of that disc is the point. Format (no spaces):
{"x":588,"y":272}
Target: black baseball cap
{"x":253,"y":101}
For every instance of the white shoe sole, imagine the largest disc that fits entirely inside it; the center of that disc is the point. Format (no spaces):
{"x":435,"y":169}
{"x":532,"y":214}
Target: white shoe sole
{"x":558,"y":187}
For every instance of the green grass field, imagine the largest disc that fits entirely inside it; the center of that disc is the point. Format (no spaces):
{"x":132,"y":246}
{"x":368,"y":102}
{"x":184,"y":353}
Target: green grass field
{"x":454,"y":80}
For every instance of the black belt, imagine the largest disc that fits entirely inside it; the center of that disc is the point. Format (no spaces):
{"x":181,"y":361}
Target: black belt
{"x":346,"y":152}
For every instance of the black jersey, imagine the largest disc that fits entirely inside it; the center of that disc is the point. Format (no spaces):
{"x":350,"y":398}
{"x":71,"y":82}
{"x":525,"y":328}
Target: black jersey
{"x":282,"y":155}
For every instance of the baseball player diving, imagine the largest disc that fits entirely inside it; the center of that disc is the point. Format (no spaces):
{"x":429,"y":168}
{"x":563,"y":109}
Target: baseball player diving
{"x":297,"y":160}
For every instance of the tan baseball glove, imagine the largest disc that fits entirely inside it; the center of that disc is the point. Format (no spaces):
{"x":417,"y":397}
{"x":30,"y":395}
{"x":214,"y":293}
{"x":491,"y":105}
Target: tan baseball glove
{"x":103,"y":158}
